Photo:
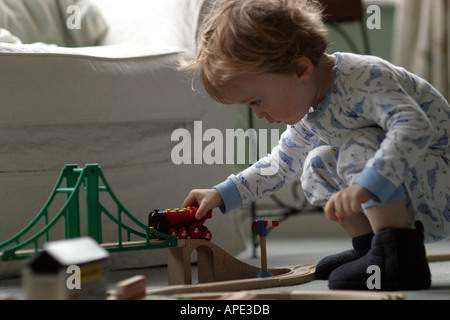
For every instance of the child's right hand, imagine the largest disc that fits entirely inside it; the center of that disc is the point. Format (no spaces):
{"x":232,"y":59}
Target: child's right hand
{"x":205,"y":199}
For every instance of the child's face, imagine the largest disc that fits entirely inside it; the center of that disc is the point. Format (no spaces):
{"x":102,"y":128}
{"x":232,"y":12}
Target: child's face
{"x":276,"y":97}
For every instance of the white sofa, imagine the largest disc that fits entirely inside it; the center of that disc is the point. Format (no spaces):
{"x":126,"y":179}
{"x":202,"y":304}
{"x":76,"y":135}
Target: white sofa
{"x":115,"y":104}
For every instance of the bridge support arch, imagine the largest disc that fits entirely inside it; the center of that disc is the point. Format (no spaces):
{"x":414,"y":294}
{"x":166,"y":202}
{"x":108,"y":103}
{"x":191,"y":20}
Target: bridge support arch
{"x":214,"y":263}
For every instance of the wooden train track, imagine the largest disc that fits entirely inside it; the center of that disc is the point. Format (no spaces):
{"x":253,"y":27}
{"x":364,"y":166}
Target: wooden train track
{"x":293,"y":295}
{"x":286,"y":276}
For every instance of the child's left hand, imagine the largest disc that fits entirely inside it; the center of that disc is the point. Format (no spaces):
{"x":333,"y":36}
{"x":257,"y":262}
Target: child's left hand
{"x":347,"y":202}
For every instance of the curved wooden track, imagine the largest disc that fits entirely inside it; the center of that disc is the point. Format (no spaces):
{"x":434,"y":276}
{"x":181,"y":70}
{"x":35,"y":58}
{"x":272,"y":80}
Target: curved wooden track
{"x":289,"y":276}
{"x":220,"y":271}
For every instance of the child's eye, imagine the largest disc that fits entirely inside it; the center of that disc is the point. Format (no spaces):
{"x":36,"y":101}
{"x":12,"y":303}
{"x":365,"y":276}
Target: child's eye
{"x":254,"y":103}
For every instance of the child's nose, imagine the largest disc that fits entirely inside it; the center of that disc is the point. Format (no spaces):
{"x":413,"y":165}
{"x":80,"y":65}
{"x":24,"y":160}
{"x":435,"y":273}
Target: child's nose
{"x":259,"y":114}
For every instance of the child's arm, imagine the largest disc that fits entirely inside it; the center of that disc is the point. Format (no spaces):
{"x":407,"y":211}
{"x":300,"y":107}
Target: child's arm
{"x":258,"y":180}
{"x":271,"y":173}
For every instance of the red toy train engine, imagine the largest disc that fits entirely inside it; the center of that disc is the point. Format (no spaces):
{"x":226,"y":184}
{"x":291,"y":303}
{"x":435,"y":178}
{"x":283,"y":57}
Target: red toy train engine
{"x":180,"y":222}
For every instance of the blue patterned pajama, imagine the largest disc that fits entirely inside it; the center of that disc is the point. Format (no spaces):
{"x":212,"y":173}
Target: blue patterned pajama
{"x":383,"y":128}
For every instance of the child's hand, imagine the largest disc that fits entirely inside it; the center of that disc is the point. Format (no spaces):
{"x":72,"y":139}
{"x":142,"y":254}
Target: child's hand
{"x":347,"y":202}
{"x":205,"y":199}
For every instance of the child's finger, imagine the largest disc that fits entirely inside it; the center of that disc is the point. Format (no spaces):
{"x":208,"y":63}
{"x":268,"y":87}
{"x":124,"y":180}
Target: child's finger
{"x":330,"y":211}
{"x":356,"y":207}
{"x":201,"y":211}
{"x":191,"y":200}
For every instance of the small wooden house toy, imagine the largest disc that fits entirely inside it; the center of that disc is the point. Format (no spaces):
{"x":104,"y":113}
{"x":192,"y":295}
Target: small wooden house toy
{"x":66,"y":270}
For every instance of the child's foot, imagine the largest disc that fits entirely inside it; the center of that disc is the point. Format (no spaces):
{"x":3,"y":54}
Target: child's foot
{"x":398,"y":254}
{"x":361,"y":245}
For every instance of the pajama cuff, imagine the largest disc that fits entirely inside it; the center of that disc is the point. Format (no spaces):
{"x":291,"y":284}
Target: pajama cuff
{"x":230,"y":195}
{"x":382,"y":188}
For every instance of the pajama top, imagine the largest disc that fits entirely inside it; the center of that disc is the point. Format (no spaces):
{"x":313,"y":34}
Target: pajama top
{"x":366,"y":91}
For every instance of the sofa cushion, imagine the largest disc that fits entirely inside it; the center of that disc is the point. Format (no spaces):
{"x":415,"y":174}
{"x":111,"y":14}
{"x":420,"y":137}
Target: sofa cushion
{"x":53,"y":21}
{"x":156,"y":23}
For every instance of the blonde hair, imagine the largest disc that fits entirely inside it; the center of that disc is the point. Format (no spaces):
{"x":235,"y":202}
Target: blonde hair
{"x":249,"y":37}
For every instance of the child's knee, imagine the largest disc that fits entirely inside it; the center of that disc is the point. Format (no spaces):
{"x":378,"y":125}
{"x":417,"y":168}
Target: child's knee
{"x":319,"y":177}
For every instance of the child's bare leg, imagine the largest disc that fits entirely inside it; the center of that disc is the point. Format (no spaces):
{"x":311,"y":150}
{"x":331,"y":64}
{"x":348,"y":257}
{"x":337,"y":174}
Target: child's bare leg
{"x":388,"y":215}
{"x":356,"y":225}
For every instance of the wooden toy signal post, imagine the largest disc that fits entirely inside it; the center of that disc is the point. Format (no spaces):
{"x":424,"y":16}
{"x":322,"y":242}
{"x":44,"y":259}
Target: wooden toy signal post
{"x":260,"y":228}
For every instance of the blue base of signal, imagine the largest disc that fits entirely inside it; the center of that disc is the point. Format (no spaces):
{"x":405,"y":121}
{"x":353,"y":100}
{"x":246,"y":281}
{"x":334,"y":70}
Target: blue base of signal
{"x":264,"y":274}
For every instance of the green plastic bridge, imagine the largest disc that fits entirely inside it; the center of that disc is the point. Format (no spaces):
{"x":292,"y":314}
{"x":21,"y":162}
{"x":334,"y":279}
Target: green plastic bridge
{"x":70,"y":181}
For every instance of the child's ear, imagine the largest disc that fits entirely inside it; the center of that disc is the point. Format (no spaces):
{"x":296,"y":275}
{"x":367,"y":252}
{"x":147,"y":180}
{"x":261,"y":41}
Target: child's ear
{"x":304,"y":68}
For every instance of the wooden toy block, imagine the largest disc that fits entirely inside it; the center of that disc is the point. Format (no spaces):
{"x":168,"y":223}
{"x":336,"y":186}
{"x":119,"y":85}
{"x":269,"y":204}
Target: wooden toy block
{"x":131,"y":289}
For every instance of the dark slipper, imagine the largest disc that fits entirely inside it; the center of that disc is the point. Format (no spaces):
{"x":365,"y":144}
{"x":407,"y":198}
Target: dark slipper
{"x":361,"y":245}
{"x":396,"y":261}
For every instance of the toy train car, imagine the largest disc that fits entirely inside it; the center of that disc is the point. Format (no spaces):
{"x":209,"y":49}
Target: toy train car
{"x":180,"y":223}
